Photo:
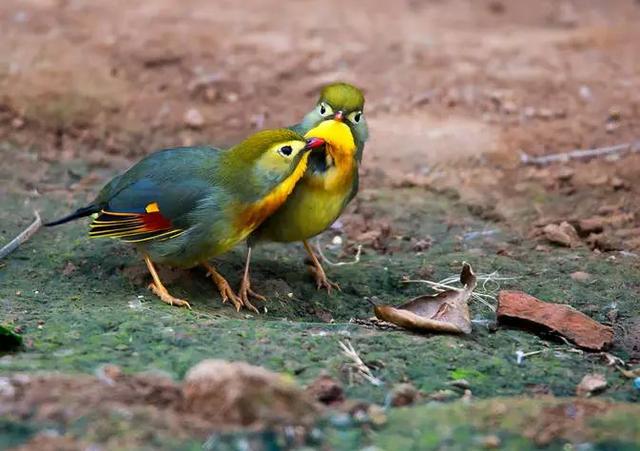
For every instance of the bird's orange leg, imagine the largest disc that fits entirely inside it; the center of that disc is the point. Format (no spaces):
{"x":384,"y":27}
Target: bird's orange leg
{"x":158,"y":288}
{"x":225,"y":289}
{"x":317,"y":271}
{"x":245,"y":286}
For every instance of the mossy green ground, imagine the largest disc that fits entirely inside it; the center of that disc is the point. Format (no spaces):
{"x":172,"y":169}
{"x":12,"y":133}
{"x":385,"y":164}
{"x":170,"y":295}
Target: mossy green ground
{"x":99,"y":311}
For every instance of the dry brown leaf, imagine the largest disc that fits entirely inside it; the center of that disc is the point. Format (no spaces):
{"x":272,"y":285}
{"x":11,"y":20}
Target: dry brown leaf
{"x":516,"y":307}
{"x":444,"y":312}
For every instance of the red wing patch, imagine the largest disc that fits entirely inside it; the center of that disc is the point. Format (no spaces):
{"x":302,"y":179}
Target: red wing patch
{"x":134,"y":227}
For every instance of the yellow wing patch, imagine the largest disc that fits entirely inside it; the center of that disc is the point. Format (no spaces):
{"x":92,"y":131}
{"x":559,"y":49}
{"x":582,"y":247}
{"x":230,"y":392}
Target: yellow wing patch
{"x":152,"y":208}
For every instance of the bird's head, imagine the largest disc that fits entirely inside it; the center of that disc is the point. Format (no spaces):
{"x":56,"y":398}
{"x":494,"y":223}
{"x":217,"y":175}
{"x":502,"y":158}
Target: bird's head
{"x":267,"y":158}
{"x":341,"y":102}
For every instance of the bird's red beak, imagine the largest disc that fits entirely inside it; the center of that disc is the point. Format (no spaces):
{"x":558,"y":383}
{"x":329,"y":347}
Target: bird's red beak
{"x":339,"y":116}
{"x":314,"y":143}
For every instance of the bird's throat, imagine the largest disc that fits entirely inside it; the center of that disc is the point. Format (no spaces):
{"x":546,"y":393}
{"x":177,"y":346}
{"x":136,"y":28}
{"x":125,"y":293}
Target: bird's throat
{"x":340,"y":158}
{"x":253,"y":215}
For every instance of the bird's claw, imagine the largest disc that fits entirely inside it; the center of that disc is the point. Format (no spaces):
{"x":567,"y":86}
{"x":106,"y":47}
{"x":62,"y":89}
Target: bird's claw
{"x":228,"y":294}
{"x":165,"y":297}
{"x":322,"y":281}
{"x":246,"y":292}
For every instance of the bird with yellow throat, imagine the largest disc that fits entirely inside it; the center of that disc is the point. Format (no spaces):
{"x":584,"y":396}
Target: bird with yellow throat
{"x":183,"y":206}
{"x":329,"y":183}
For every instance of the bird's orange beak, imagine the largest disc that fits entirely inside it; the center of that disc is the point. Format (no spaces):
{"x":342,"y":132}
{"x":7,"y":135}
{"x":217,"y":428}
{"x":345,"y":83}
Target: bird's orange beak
{"x":339,"y":116}
{"x":314,"y":143}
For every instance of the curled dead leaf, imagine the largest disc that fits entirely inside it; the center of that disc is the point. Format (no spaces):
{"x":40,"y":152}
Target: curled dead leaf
{"x":444,"y":312}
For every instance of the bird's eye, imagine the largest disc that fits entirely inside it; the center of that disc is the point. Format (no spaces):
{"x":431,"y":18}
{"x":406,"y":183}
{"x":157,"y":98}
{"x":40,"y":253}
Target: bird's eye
{"x":325,"y":110}
{"x":355,"y":117}
{"x":285,"y":150}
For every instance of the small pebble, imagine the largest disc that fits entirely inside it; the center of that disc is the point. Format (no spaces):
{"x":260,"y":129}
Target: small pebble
{"x":580,"y":276}
{"x":585,"y":92}
{"x":491,"y":442}
{"x":193,"y":118}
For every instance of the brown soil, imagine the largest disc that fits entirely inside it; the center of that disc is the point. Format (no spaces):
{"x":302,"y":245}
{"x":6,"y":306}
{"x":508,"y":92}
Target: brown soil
{"x":455,"y":90}
{"x":216,"y":396}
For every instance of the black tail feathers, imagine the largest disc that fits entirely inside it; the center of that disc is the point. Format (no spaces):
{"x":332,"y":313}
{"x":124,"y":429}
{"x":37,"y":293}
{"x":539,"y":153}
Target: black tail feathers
{"x":79,"y":213}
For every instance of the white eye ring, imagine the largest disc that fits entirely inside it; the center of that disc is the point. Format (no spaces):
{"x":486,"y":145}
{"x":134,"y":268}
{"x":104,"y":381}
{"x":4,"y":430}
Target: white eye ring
{"x":355,"y":117}
{"x":325,"y":110}
{"x":285,"y":151}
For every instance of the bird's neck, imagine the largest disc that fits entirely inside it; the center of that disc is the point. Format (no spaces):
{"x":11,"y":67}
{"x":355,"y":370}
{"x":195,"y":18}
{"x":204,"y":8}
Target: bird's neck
{"x":254,"y":213}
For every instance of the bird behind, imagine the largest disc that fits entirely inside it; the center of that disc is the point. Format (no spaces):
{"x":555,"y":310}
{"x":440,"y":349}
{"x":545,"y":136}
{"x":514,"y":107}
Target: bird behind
{"x":329,"y":183}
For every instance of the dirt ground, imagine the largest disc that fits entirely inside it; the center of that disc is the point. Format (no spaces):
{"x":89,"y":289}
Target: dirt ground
{"x":457,"y":92}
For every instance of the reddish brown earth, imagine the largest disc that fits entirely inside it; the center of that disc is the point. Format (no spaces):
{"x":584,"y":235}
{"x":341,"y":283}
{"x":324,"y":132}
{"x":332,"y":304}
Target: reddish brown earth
{"x":455,"y":90}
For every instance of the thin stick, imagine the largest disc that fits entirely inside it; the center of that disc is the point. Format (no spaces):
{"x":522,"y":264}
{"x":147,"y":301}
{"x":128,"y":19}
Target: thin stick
{"x":22,"y":237}
{"x":580,"y":154}
{"x":362,"y":368}
{"x":330,"y":263}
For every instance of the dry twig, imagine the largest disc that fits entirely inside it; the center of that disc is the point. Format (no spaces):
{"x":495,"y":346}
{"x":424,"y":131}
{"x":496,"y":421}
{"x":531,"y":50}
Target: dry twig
{"x":362,"y":369}
{"x":22,"y":237}
{"x":580,"y":154}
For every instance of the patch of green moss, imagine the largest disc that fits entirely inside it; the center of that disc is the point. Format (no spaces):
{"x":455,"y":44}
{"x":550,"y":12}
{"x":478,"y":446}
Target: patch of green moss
{"x":97,"y":313}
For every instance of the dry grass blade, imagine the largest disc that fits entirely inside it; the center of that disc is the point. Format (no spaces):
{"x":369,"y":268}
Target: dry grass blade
{"x":484,"y":294}
{"x":355,"y":260}
{"x":22,"y":237}
{"x":362,"y":369}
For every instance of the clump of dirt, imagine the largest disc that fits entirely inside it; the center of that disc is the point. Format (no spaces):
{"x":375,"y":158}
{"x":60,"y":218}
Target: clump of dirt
{"x":49,"y":442}
{"x":567,"y":420}
{"x":611,"y":228}
{"x":326,"y":390}
{"x":216,"y":396}
{"x":238,"y":394}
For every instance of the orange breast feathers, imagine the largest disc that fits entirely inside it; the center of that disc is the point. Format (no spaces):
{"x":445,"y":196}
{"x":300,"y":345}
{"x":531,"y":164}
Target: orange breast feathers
{"x":341,"y":150}
{"x":257,"y":212}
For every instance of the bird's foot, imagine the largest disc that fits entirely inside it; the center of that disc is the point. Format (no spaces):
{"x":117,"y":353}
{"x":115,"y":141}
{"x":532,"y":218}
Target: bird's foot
{"x":322,"y":281}
{"x":165,"y":297}
{"x":246,"y":292}
{"x":227,"y":293}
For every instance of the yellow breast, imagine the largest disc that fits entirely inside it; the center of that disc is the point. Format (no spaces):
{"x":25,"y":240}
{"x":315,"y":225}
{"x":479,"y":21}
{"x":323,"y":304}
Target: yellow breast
{"x":318,"y":199}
